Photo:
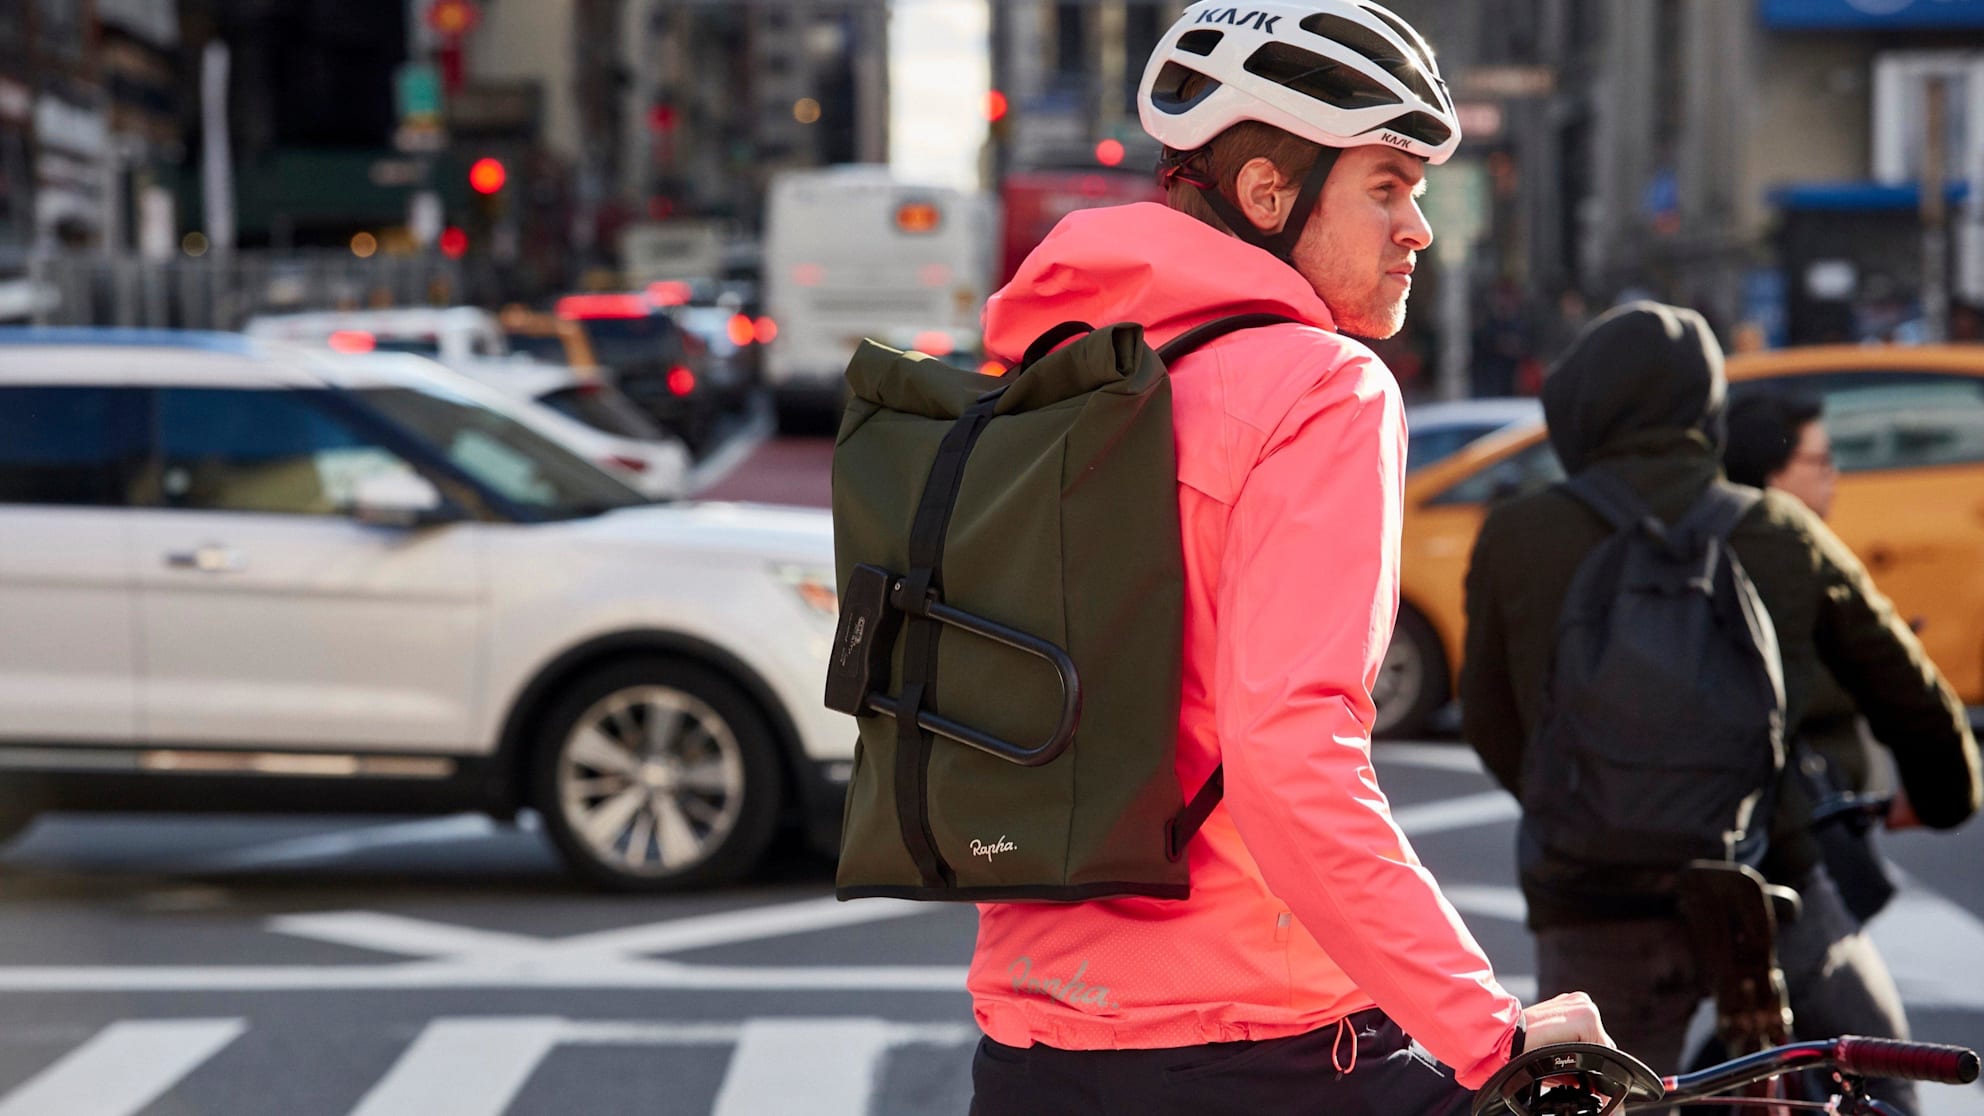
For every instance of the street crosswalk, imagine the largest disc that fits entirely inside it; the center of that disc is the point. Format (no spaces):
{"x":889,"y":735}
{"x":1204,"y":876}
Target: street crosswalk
{"x":477,"y":1066}
{"x":480,"y":1021}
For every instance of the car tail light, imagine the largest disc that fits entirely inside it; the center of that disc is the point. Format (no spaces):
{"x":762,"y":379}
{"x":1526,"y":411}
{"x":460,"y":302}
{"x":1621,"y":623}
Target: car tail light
{"x":765,"y":330}
{"x":580,"y":307}
{"x":669,"y":292}
{"x":352,"y":341}
{"x":992,"y":368}
{"x":630,"y":464}
{"x":740,"y":330}
{"x":681,"y":381}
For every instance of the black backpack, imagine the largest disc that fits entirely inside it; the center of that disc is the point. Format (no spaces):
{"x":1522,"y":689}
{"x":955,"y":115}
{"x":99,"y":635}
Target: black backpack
{"x":1661,"y":738}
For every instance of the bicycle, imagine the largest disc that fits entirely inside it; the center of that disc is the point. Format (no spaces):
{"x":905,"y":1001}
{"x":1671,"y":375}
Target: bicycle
{"x":1585,"y":1079}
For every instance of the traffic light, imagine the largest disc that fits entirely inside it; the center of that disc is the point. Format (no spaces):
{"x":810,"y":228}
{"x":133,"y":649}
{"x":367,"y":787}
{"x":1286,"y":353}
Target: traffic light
{"x":486,"y":176}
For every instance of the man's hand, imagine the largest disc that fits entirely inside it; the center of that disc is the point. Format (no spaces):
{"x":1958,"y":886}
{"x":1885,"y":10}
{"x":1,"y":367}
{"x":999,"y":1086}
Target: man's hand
{"x":1571,"y":1017}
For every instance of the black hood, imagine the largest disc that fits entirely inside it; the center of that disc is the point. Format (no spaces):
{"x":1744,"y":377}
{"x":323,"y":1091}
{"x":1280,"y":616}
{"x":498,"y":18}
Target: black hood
{"x":1640,"y":368}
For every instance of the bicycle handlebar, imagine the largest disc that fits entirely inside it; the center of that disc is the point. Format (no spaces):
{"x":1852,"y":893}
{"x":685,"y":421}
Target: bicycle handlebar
{"x":1917,"y":1061}
{"x":1849,"y":1054}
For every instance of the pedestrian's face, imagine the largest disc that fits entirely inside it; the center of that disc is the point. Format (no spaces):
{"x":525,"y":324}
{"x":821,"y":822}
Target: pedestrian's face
{"x":1359,"y":247}
{"x":1810,"y":473}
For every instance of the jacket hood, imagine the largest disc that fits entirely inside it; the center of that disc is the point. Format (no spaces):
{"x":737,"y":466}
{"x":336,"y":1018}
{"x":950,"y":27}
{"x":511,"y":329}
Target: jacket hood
{"x":1144,"y":263}
{"x":1642,"y":376}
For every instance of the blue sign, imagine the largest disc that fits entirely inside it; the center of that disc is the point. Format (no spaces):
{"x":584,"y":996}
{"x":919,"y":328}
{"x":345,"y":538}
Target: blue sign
{"x":1860,"y":15}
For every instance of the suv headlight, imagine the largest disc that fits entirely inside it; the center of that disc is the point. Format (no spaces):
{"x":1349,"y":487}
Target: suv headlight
{"x":815,"y":588}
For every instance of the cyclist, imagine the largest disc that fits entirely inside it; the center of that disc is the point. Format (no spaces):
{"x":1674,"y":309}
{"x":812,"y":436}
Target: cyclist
{"x":1296,"y":136}
{"x":1640,"y":395}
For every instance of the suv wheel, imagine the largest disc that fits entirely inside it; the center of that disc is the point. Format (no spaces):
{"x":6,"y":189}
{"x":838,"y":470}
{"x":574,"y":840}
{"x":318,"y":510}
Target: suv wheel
{"x":1412,"y":681}
{"x":657,"y":774}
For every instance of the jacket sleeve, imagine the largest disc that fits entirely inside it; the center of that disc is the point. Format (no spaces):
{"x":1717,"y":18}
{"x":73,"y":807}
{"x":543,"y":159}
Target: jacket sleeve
{"x":1490,"y":721}
{"x":1907,"y":702}
{"x":1307,"y":595}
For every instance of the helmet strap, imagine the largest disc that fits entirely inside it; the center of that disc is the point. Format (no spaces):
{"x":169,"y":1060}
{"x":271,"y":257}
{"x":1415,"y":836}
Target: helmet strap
{"x":1281,"y":244}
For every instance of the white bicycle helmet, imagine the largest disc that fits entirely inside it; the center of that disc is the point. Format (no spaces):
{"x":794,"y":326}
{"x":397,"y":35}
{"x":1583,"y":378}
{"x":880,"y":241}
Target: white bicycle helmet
{"x":1338,"y":73}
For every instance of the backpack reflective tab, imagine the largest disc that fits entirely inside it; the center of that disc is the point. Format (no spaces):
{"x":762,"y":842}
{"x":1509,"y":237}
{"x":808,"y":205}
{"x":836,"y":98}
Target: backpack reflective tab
{"x":1662,"y":733}
{"x":1010,"y":639}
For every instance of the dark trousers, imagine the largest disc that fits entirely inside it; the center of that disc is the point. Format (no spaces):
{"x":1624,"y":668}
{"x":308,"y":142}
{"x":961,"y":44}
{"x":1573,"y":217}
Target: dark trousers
{"x":1643,"y":977}
{"x":1295,"y":1076}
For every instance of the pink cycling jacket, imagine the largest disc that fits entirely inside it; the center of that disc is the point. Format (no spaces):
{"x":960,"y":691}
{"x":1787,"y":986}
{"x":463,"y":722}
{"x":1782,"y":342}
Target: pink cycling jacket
{"x":1308,"y":903}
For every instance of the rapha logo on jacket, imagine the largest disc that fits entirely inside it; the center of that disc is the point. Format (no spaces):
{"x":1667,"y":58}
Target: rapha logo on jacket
{"x":980,"y":848}
{"x":1259,"y":21}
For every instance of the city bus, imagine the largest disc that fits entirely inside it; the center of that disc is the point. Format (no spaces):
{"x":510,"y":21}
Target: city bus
{"x":854,"y":252}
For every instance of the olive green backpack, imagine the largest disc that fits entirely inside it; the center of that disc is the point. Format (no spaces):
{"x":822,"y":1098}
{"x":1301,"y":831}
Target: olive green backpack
{"x":1010,"y":641}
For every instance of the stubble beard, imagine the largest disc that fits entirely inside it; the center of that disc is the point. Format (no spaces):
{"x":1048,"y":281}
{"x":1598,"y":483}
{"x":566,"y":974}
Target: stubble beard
{"x":1380,"y":317}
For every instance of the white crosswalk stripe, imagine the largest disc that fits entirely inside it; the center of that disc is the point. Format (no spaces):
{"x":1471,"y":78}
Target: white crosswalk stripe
{"x":467,"y":1067}
{"x":122,"y":1069}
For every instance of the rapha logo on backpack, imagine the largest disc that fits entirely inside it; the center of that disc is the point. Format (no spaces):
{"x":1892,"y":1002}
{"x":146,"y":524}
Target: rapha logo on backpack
{"x":980,"y":848}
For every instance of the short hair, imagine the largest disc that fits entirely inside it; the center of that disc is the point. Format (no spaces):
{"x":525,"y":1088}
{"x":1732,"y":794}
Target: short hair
{"x":1221,"y":160}
{"x":1764,"y":428}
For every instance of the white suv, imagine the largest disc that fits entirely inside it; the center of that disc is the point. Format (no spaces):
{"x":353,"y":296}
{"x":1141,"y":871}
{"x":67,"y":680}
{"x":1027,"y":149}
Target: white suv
{"x":242,"y":575}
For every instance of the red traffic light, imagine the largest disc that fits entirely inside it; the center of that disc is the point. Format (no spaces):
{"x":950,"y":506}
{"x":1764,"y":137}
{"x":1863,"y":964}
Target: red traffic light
{"x":454,"y":242}
{"x":1109,"y":153}
{"x":486,"y":176}
{"x":995,"y":106}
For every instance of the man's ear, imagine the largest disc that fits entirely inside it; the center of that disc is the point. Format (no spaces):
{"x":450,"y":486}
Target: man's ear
{"x":1264,"y":194}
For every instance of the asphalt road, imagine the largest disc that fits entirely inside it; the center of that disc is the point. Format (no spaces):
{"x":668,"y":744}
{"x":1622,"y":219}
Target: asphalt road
{"x":394,"y":967}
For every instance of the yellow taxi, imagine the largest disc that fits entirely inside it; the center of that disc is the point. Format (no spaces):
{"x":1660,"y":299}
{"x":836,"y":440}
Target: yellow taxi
{"x":1907,"y":427}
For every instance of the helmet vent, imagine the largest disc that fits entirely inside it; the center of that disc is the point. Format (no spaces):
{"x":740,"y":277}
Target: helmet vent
{"x":1313,"y":75}
{"x":1168,"y":90}
{"x":1382,"y":52}
{"x":1424,"y":127}
{"x":1200,"y":43}
{"x":1407,"y":35}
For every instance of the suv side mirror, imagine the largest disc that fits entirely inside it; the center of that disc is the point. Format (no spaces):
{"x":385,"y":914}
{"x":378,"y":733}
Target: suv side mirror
{"x":400,"y":498}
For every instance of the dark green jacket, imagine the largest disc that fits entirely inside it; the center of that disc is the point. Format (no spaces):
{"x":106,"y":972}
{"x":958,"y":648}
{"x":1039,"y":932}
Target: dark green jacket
{"x":1824,"y":606}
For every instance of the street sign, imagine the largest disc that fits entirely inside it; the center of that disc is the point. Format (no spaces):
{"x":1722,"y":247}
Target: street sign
{"x":1456,"y":205}
{"x":1507,"y":81}
{"x":417,"y":93}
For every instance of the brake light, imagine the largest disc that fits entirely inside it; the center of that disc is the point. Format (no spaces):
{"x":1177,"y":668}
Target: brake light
{"x":765,"y":330}
{"x":630,"y":464}
{"x":583,"y":306}
{"x":681,"y":381}
{"x":669,"y":292}
{"x":934,"y":342}
{"x":739,"y":329}
{"x":352,"y":341}
{"x":918,"y":217}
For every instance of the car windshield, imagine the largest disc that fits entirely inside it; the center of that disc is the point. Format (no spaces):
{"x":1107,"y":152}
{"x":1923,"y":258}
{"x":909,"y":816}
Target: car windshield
{"x":547,"y":347}
{"x":626,"y":342}
{"x":603,"y":408}
{"x":427,"y":346}
{"x":1436,"y":443}
{"x":518,"y":463}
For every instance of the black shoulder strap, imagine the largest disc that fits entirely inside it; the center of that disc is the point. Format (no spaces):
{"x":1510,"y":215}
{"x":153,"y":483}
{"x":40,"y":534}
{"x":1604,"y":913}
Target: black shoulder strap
{"x":1613,"y":499}
{"x":1717,"y":511}
{"x":1179,"y":830}
{"x":1205,"y":332}
{"x":1047,"y":343}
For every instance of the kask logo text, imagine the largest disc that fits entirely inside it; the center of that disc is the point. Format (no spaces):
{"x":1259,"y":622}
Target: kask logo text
{"x":1259,"y":21}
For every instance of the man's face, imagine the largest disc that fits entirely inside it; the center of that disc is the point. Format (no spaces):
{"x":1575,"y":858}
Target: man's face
{"x":1810,"y":473}
{"x":1360,"y":243}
